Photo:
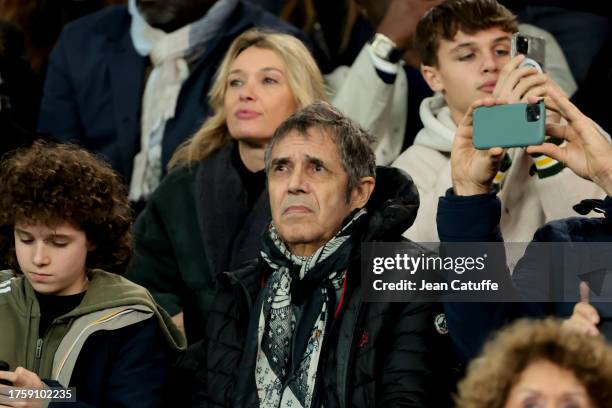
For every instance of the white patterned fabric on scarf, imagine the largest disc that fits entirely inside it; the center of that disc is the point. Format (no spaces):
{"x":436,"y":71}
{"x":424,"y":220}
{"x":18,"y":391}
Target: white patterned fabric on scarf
{"x":276,"y":386}
{"x":170,"y":54}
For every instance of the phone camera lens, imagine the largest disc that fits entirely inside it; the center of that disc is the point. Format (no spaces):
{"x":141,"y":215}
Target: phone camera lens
{"x":522,"y":45}
{"x":533,"y":113}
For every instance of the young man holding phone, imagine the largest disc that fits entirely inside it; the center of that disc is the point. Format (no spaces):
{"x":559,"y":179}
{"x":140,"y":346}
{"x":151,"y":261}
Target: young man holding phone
{"x":465,"y":47}
{"x":471,"y":212}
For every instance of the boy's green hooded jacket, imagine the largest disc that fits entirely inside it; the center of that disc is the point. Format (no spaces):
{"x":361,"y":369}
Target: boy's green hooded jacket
{"x":111,"y":302}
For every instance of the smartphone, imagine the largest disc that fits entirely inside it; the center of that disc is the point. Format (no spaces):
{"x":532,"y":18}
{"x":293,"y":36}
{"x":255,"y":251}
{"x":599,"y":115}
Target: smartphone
{"x":534,"y":49}
{"x":511,"y":125}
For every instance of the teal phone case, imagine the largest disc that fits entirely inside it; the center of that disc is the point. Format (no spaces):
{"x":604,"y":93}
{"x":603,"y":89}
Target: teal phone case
{"x":511,"y":125}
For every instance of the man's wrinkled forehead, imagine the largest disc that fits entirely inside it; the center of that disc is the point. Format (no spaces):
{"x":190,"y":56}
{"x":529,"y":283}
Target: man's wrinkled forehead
{"x":314,"y":136}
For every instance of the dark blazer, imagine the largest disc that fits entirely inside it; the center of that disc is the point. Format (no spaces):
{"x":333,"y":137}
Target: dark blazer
{"x":95,"y":81}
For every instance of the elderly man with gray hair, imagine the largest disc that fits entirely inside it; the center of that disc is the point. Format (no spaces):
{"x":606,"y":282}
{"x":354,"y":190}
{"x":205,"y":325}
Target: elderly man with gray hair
{"x":292,"y":328}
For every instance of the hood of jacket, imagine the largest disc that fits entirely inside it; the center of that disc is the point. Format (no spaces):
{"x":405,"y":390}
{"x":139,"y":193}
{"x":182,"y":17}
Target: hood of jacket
{"x":393,"y":206}
{"x":438,"y":127}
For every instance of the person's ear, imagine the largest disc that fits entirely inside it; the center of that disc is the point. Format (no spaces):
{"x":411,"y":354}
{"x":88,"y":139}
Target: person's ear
{"x":90,"y":246}
{"x":432,"y":77}
{"x":362,"y":192}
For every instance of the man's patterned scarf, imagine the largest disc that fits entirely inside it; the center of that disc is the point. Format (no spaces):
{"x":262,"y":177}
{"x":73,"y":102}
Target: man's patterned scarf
{"x":307,"y":285}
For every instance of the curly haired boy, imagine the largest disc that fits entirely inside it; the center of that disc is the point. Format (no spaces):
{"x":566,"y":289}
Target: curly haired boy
{"x":66,"y":319}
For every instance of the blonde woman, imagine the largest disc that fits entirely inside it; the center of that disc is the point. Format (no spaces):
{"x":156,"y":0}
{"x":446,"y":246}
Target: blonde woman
{"x":208,"y":213}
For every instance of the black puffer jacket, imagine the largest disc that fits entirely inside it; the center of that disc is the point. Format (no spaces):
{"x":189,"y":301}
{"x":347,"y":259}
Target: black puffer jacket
{"x":377,"y":354}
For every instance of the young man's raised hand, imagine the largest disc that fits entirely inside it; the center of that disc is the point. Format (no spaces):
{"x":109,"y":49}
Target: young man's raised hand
{"x":473,"y":170}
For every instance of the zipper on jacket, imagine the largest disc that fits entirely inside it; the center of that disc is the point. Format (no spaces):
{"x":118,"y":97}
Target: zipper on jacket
{"x":37,"y":355}
{"x":39,"y":345}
